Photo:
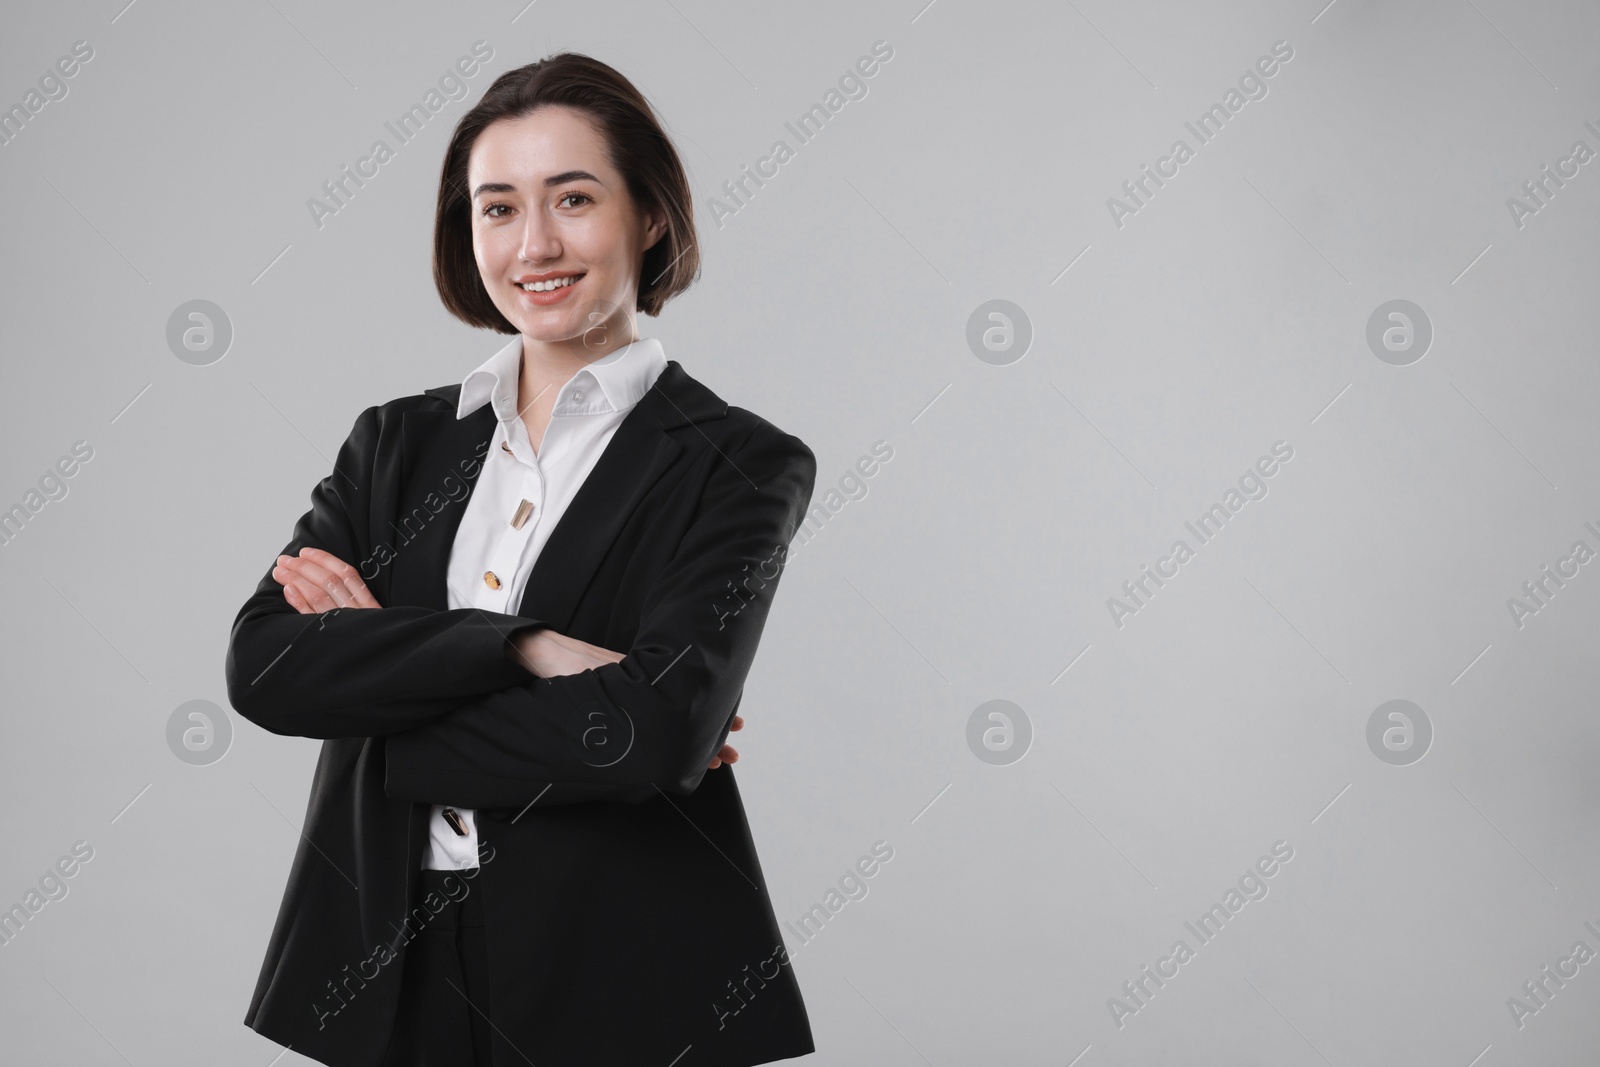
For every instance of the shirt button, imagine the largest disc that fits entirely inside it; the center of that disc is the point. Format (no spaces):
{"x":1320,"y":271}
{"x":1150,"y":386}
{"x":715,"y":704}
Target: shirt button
{"x":491,"y":580}
{"x":521,"y":517}
{"x":577,"y":396}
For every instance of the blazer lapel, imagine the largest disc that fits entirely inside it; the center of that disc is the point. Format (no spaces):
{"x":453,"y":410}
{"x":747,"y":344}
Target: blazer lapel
{"x":439,"y":450}
{"x":635,"y":458}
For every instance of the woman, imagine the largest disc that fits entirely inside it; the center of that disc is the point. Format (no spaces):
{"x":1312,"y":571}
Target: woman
{"x":519,"y":614}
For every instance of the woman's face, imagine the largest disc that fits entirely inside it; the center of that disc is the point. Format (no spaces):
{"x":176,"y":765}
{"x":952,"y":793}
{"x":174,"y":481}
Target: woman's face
{"x":547,"y":203}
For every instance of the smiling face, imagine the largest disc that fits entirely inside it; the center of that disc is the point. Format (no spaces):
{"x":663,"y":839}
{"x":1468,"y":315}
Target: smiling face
{"x":551,"y":213}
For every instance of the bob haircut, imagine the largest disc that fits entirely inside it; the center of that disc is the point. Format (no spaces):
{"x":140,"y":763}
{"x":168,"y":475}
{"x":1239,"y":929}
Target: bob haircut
{"x":636,"y":146}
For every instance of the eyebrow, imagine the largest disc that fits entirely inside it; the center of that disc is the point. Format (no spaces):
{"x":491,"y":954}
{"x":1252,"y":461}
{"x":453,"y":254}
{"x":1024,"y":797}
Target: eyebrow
{"x":554,"y":179}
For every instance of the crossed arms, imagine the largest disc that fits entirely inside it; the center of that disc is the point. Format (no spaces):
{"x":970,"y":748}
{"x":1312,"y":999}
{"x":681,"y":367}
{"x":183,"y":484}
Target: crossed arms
{"x":317,"y":581}
{"x":465,"y":721}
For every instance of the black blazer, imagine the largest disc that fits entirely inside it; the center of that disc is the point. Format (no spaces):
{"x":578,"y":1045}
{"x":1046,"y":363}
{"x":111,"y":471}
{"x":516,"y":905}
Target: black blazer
{"x":629,"y":922}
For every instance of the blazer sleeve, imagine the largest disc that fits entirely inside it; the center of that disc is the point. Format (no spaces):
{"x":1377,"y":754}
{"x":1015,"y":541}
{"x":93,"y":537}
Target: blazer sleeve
{"x":359,"y":672}
{"x":652,"y":721}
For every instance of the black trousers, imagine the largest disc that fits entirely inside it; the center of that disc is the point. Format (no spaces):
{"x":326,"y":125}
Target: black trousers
{"x":443,"y":1017}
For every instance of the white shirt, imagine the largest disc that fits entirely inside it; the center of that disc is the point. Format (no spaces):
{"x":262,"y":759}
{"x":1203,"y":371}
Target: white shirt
{"x":515,"y":479}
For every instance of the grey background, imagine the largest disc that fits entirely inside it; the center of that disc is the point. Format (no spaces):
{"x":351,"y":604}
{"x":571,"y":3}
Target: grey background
{"x":1228,"y":314}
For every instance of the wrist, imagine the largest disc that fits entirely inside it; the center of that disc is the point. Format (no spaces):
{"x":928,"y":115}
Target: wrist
{"x":519,"y":646}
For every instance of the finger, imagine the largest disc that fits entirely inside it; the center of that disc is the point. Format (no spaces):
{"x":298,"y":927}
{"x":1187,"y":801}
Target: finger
{"x":313,"y":596}
{"x":604,"y":655}
{"x":729,"y":754}
{"x":314,"y":583}
{"x":350,"y":577}
{"x":311,"y":592}
{"x":296,"y":601}
{"x":296,"y":589}
{"x":738,"y":723}
{"x":340,"y":581}
{"x":311,"y":583}
{"x":328,"y":577}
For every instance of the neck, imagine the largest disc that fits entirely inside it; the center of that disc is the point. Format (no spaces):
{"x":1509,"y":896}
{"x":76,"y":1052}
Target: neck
{"x":546,"y":365}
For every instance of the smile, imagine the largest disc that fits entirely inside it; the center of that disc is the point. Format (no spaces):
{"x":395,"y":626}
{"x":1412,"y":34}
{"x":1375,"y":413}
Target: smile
{"x":552,"y":284}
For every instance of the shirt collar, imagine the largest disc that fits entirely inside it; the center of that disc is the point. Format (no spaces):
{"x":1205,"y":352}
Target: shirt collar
{"x":615,"y":382}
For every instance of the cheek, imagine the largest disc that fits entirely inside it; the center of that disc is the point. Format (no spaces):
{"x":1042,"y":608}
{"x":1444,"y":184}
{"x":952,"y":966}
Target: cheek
{"x":617,"y":266}
{"x":491,"y":261}
{"x":481,"y":252}
{"x":600,"y":240}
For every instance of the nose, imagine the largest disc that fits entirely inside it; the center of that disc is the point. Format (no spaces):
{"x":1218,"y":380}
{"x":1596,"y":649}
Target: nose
{"x":538,"y":238}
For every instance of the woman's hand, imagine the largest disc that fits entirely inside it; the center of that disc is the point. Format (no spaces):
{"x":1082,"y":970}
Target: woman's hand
{"x":729,"y":754}
{"x":318,"y":581}
{"x":549,"y":654}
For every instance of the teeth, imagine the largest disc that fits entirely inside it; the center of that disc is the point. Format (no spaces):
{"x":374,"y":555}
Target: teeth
{"x":554,"y":283}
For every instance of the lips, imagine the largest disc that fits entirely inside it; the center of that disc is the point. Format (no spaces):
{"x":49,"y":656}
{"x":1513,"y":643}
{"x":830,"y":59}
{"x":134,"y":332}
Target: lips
{"x":548,"y":296}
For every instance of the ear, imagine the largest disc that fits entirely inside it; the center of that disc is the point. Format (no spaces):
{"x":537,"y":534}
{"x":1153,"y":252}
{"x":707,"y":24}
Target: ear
{"x":655,"y":228}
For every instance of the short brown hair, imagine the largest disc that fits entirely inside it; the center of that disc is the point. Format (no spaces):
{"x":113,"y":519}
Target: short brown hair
{"x":636,"y":146}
